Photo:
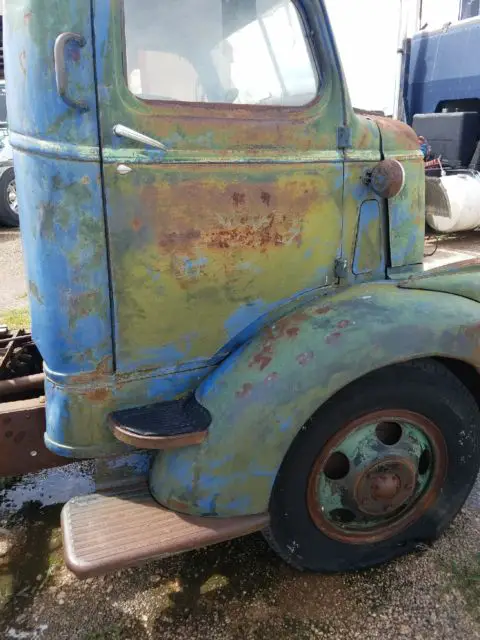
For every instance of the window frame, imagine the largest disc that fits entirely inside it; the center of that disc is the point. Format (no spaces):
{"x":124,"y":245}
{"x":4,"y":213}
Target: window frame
{"x":321,"y":64}
{"x":460,"y":12}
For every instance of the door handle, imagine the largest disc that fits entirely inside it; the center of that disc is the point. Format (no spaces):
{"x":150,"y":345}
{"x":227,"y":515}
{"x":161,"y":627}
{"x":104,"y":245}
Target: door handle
{"x":125,"y":132}
{"x":60,"y":67}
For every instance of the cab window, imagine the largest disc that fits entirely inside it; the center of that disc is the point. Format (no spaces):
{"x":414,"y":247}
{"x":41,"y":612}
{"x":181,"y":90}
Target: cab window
{"x":248,"y":52}
{"x":469,"y":9}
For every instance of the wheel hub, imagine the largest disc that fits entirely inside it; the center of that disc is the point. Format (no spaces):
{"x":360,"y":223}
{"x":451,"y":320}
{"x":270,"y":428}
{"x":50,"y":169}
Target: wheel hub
{"x":376,"y":476}
{"x":385,"y":486}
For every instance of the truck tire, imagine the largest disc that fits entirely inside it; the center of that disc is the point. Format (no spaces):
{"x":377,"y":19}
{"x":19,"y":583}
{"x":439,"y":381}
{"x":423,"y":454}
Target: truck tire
{"x":383,"y":466}
{"x":8,"y":205}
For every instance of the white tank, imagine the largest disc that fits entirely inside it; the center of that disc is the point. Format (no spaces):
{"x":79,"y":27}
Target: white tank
{"x":453,"y":202}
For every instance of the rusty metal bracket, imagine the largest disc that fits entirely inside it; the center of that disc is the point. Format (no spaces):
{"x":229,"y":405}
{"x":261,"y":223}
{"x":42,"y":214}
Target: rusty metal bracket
{"x":22,"y":448}
{"x":10,"y":344}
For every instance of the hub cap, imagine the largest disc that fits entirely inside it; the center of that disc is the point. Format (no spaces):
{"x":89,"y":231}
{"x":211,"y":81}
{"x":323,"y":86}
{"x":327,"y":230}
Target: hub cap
{"x":12,"y":196}
{"x":377,"y":476}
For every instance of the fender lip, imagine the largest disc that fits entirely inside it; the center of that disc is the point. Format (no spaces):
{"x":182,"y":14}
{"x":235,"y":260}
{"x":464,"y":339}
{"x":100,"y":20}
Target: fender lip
{"x":459,"y":279}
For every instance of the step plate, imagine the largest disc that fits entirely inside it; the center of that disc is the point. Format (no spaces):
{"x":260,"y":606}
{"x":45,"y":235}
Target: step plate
{"x":164,"y":425}
{"x":108,"y":532}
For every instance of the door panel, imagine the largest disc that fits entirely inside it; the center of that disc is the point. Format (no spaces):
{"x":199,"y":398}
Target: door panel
{"x":241,"y":213}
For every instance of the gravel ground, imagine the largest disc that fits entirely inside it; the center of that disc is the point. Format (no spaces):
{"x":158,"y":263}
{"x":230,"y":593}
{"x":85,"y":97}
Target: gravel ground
{"x":241,"y":591}
{"x":13,"y":288}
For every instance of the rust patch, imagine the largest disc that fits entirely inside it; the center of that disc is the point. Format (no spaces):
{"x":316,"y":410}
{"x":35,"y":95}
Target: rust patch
{"x":238,"y":199}
{"x":304,"y":358}
{"x":265,"y":198}
{"x":176,"y":239}
{"x":292,"y":332}
{"x":262,"y":360}
{"x":137,"y":224}
{"x":103,"y":369}
{"x":82,"y":305}
{"x":321,"y":311}
{"x":257,"y":233}
{"x":402,"y":132}
{"x":245,"y":391}
{"x":98,"y":395}
{"x":333,"y":337}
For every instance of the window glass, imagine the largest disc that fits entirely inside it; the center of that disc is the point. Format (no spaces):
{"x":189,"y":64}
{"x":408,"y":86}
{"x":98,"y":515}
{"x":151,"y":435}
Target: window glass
{"x":469,"y":9}
{"x":230,"y":51}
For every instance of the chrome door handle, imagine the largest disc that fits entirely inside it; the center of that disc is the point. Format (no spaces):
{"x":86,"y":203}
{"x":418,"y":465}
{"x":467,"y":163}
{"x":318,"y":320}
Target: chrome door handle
{"x":125,"y":132}
{"x":61,"y":70}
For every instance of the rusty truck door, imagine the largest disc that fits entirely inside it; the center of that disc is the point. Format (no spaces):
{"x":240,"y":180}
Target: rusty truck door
{"x":222,"y":177}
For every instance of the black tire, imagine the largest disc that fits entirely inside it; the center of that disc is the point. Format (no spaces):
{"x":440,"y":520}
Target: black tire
{"x":8,"y":217}
{"x":425,"y":387}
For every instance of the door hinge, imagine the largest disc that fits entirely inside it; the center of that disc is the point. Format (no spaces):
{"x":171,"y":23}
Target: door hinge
{"x":341,"y":268}
{"x":344,"y":137}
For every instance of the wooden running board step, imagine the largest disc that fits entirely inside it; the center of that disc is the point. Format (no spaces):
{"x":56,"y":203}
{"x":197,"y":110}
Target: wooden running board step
{"x":164,"y":425}
{"x":108,"y":532}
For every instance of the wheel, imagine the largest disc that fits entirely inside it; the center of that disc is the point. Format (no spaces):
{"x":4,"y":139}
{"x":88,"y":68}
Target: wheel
{"x":385,"y":465}
{"x":8,"y":200}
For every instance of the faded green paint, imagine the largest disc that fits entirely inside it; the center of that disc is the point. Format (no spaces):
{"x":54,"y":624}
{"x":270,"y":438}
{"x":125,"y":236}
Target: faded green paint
{"x":459,"y":280}
{"x":262,"y":396}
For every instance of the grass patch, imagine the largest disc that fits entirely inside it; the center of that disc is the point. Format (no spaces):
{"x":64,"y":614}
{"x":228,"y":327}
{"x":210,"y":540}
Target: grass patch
{"x":112,"y":633}
{"x":467,"y":577}
{"x":16,"y":318}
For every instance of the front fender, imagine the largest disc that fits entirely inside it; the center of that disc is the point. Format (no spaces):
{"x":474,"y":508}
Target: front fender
{"x":263,"y":394}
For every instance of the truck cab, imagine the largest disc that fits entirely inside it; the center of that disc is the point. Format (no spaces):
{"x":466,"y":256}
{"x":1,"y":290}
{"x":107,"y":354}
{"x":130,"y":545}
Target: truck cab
{"x":225,"y":268}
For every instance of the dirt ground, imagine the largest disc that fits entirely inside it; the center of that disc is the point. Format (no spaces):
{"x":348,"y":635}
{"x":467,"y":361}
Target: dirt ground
{"x":13,"y":292}
{"x":239,"y":591}
{"x":234,"y":591}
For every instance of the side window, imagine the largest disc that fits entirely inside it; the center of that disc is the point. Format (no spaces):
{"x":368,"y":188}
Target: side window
{"x":469,"y":9}
{"x":225,"y":51}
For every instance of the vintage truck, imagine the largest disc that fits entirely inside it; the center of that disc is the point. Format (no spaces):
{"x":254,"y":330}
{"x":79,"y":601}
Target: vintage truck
{"x":227,"y":287}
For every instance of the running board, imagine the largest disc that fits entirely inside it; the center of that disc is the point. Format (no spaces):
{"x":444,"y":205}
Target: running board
{"x":108,"y":532}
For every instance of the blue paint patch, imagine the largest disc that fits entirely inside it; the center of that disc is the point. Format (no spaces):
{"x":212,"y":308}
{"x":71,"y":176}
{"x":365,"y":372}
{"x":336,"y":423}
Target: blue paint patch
{"x":286,"y":424}
{"x":374,"y":262}
{"x":245,"y":316}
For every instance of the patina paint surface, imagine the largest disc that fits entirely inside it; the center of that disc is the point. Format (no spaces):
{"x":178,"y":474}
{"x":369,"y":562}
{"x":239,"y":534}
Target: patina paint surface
{"x":369,"y":253}
{"x":198,"y":249}
{"x":56,"y":157}
{"x":77,"y":412}
{"x":220,"y":245}
{"x":364,"y":220}
{"x":243,"y":212}
{"x":463,"y":281}
{"x":407,"y":210}
{"x":263,"y":394}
